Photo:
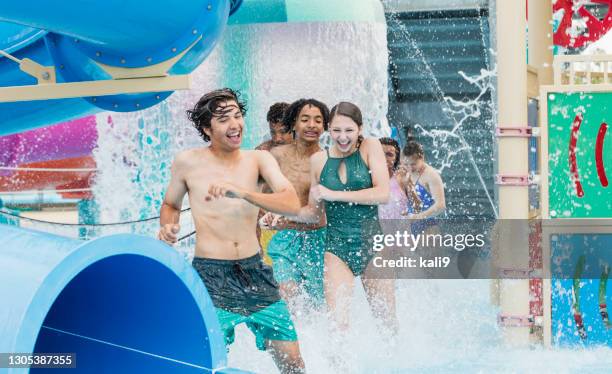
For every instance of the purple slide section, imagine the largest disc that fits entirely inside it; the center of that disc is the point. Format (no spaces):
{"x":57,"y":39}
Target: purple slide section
{"x":70,"y":139}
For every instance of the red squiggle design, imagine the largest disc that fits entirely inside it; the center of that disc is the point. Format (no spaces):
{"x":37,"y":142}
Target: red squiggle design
{"x":601,"y":170}
{"x":572,"y":154}
{"x":596,"y":28}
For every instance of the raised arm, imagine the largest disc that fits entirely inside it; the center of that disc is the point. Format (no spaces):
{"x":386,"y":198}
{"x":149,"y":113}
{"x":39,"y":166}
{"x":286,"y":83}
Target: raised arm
{"x":173,"y":200}
{"x":379,"y":192}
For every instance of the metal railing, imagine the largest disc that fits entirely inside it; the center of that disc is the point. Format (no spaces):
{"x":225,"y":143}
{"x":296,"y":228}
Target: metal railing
{"x":583,"y":69}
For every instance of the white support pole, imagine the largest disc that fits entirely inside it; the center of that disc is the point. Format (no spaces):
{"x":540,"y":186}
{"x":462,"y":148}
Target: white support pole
{"x":513,"y":160}
{"x":540,"y":39}
{"x":541,"y":57}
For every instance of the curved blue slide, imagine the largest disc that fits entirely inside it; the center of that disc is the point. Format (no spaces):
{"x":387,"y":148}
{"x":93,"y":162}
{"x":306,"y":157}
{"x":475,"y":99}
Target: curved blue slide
{"x":76,"y":36}
{"x":121,"y":303}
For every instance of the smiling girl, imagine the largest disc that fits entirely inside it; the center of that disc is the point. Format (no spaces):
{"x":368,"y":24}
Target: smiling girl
{"x":349,"y":181}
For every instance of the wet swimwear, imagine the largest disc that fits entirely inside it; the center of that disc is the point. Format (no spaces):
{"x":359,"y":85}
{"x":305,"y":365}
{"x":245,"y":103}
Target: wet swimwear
{"x":397,"y":202}
{"x":298,"y":256}
{"x":350,"y":227}
{"x":244,"y":290}
{"x":271,"y":323}
{"x":264,"y":239}
{"x":426,"y":202}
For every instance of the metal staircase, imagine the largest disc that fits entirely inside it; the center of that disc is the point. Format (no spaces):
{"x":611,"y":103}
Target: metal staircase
{"x":427,"y":51}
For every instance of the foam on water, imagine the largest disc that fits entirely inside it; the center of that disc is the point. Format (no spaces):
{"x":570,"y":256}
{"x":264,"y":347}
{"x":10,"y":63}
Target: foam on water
{"x":446,"y":326}
{"x":434,"y":331}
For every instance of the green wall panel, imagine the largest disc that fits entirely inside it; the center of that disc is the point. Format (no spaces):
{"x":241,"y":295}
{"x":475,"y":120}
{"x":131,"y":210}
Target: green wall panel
{"x":581,"y":192}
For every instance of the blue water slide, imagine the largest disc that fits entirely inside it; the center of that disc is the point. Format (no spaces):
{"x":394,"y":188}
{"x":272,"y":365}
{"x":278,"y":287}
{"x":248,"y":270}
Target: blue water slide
{"x":121,"y":303}
{"x":77,"y":36}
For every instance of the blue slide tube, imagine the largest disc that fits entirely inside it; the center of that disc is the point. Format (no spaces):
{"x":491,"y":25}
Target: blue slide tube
{"x":76,"y":35}
{"x":121,"y":303}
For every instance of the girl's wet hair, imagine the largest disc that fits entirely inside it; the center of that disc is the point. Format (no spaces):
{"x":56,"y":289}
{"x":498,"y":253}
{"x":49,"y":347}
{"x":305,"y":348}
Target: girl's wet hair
{"x":413,"y":148}
{"x":396,"y":147}
{"x":209,"y":106}
{"x":294,"y":109}
{"x":350,"y":110}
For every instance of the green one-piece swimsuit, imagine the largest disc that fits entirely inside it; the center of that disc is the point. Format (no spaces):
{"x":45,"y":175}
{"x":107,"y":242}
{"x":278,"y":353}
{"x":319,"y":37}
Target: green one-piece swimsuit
{"x":350,"y":226}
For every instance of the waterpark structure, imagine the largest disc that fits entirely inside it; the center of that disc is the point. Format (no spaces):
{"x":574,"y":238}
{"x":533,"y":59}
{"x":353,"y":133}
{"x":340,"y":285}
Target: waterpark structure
{"x":61,"y":65}
{"x":571,"y":91}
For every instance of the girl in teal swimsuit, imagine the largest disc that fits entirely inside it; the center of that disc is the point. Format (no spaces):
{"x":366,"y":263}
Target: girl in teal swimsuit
{"x":349,"y":181}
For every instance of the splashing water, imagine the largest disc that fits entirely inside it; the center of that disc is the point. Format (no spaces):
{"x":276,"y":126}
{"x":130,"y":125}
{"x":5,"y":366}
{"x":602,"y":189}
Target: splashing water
{"x":136,"y":148}
{"x":461,"y":111}
{"x":285,"y":62}
{"x":135,"y":152}
{"x":449,"y":144}
{"x":445,"y":325}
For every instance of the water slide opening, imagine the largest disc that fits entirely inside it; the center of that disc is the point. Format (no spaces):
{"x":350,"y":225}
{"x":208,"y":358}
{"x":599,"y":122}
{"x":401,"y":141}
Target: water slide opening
{"x":127,"y":313}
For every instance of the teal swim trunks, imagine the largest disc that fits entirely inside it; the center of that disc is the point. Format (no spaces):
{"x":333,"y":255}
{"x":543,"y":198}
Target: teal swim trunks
{"x":271,"y":323}
{"x":298,"y":256}
{"x":244,"y":291}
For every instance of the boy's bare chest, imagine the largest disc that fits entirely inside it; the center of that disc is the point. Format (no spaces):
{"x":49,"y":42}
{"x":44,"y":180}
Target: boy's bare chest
{"x":200,"y":177}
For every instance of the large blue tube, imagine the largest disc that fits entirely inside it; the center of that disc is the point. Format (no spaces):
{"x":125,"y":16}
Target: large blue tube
{"x":76,"y":35}
{"x":122,"y":303}
{"x":122,"y":33}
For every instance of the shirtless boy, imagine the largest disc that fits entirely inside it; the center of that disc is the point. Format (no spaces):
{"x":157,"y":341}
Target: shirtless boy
{"x":279,"y":135}
{"x":297,"y":249}
{"x":223,"y":185}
